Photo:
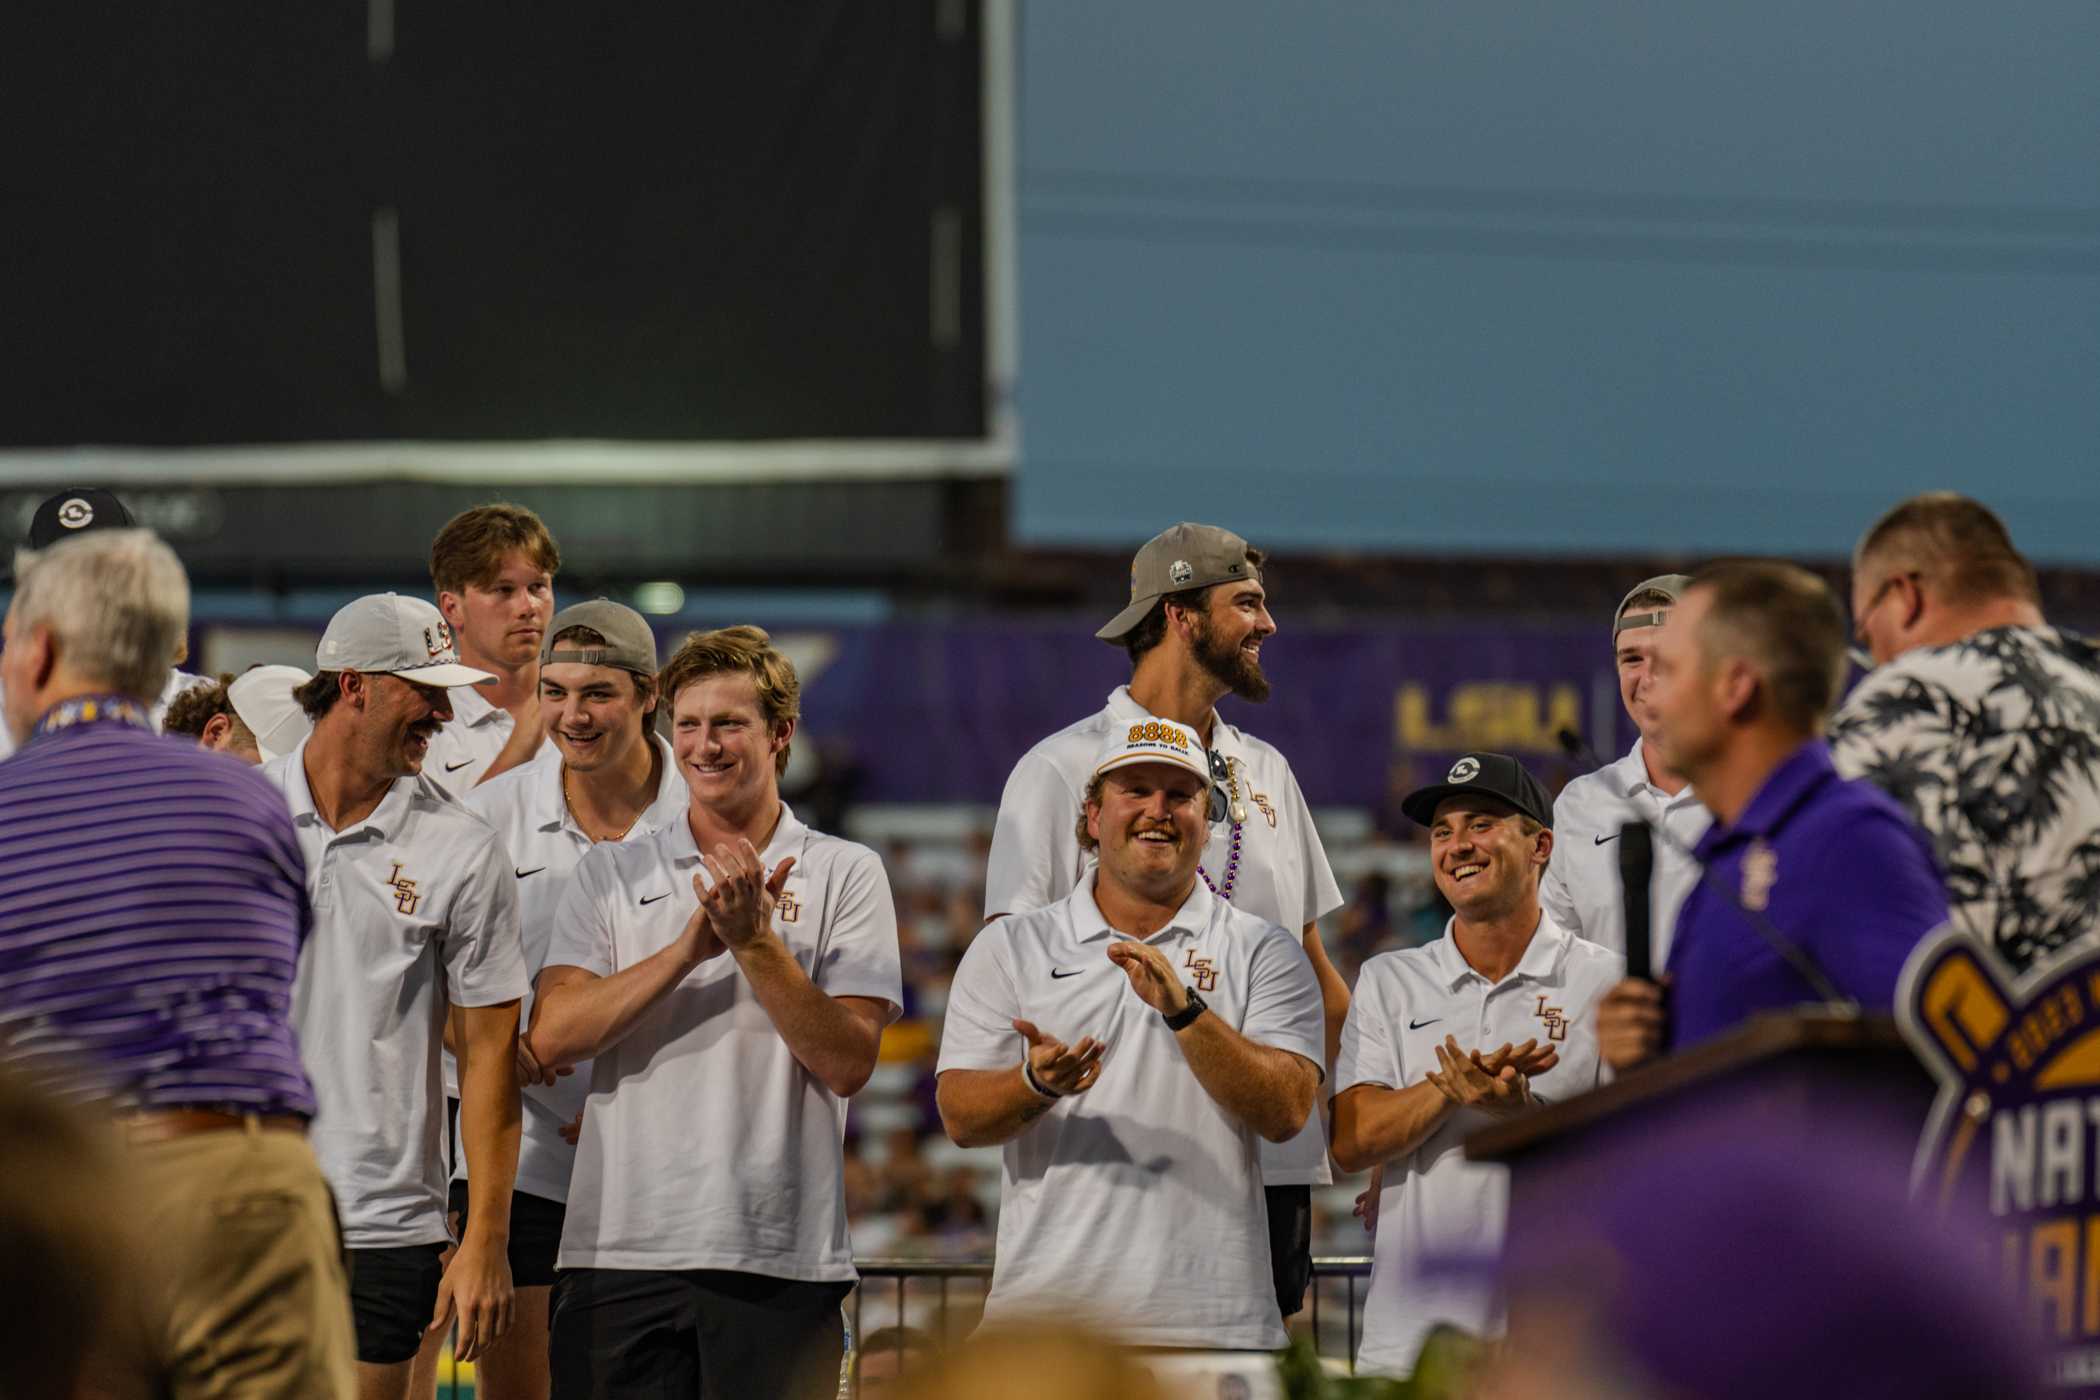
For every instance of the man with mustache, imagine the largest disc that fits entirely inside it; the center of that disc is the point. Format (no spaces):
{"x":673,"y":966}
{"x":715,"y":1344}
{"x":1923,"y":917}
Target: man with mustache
{"x":1130,"y":1106}
{"x":415,"y":909}
{"x":493,"y":569}
{"x":1482,"y":1023}
{"x":1197,"y":618}
{"x":610,"y":779}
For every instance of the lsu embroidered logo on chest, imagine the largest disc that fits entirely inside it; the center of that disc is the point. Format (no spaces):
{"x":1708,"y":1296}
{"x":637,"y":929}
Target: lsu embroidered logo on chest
{"x":405,"y":897}
{"x":1760,"y":873}
{"x":788,"y":908}
{"x":1261,"y":800}
{"x":1205,"y":972}
{"x":1556,"y":1022}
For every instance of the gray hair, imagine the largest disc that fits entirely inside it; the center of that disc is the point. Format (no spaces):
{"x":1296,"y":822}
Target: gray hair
{"x":116,"y":601}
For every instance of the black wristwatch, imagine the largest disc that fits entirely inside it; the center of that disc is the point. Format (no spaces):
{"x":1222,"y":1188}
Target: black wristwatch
{"x":1187,"y":1015}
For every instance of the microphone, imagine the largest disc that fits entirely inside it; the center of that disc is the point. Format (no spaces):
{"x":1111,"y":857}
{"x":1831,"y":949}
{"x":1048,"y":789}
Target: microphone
{"x":1790,"y":952}
{"x":1636,"y":871}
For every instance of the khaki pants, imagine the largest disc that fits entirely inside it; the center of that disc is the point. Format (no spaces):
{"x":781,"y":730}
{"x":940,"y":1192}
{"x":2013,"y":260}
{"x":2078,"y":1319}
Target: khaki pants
{"x":244,"y":1293}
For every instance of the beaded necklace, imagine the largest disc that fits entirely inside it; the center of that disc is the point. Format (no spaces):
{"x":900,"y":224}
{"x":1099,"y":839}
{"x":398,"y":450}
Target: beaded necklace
{"x":1238,"y":813}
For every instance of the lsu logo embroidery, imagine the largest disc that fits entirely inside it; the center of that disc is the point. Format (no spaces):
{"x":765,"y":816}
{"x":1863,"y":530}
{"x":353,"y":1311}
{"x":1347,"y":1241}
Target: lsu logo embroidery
{"x":1261,"y":800}
{"x":437,"y":640}
{"x":1556,"y":1021}
{"x":1153,"y":732}
{"x":405,"y":897}
{"x":789,"y":908}
{"x":1760,"y":873}
{"x":1206,"y":972}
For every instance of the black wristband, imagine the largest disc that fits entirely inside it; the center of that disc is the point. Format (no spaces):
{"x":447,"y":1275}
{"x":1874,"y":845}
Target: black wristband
{"x":1187,"y":1014}
{"x":1036,"y":1086}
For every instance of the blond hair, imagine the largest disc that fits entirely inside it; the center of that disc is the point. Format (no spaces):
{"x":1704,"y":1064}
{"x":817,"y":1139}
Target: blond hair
{"x":746,"y":651}
{"x":116,"y":601}
{"x":470,"y":550}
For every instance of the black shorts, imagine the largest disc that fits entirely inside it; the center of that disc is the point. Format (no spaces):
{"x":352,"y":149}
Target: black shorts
{"x":393,"y":1292}
{"x":1290,"y":1243}
{"x":698,"y":1334}
{"x":535,"y":1234}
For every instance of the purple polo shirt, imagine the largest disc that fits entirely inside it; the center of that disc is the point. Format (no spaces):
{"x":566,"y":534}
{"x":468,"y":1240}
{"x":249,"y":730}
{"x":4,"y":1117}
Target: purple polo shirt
{"x":1833,"y":864}
{"x":152,"y":909}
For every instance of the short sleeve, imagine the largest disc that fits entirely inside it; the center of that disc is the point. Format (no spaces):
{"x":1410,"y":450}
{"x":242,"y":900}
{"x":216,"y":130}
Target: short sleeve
{"x":484,"y":955}
{"x":977,"y":1029}
{"x":1035,"y":841}
{"x":1368,"y":1054}
{"x":582,"y":933}
{"x":1284,"y":1010}
{"x":1322,"y":896}
{"x":859,"y":957}
{"x":1863,"y":942}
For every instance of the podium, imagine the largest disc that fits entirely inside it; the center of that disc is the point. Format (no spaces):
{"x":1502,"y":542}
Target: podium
{"x":1794,"y":1071}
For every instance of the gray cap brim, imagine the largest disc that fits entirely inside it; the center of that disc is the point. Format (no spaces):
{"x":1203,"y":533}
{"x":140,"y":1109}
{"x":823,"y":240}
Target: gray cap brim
{"x":1126,"y":621}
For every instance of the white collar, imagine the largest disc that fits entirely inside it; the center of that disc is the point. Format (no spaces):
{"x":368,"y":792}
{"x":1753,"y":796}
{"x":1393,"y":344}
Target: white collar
{"x":1542,"y":956}
{"x":1088,"y":922}
{"x":1122,"y":706}
{"x":471,"y":708}
{"x":788,"y":839}
{"x":387,"y":818}
{"x":550,"y":807}
{"x":1631,"y":773}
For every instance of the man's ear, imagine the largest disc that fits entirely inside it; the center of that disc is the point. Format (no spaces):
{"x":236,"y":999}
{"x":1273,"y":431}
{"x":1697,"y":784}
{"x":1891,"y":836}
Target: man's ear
{"x":454,"y":609}
{"x":1737,"y":683}
{"x":1093,"y":821}
{"x":43,"y":654}
{"x":215,"y":731}
{"x":784,"y":735}
{"x":353,"y":688}
{"x":1542,"y":846}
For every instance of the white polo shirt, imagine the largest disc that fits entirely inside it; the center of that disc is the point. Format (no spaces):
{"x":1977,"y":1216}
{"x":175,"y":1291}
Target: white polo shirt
{"x":463,"y":750}
{"x":415,"y":908}
{"x":1136,"y":1206}
{"x":1436,"y":1205}
{"x":527,"y":809}
{"x":1283,"y":875}
{"x":706,"y":1144}
{"x":1582,"y":889}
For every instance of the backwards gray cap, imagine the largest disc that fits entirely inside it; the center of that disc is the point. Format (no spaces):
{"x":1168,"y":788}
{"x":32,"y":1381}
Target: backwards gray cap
{"x":1671,"y":586}
{"x":629,"y":643}
{"x":1178,"y":558}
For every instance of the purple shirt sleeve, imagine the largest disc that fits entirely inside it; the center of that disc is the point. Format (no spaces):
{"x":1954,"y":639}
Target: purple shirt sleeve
{"x":1868,"y":927}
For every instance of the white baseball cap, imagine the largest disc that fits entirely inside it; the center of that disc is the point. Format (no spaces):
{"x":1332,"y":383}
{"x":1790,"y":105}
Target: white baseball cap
{"x":262,"y":697}
{"x":1154,"y":741}
{"x":387,"y":634}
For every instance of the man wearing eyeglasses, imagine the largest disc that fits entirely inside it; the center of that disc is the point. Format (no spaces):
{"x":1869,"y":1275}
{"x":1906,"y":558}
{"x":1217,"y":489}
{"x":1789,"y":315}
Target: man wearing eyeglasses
{"x":1981,"y":719}
{"x":1194,"y":628}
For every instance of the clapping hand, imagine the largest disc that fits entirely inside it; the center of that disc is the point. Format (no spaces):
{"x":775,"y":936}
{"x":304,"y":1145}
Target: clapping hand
{"x":1062,"y":1069}
{"x":1151,"y":974}
{"x":740,"y":902}
{"x":1465,"y":1080}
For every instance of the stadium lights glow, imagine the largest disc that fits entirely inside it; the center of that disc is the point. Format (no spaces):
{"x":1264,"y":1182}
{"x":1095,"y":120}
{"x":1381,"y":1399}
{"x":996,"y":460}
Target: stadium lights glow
{"x":662,"y":596}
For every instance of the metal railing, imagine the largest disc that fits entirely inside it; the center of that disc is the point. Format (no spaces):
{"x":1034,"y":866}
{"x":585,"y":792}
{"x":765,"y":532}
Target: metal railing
{"x":887,"y":1285}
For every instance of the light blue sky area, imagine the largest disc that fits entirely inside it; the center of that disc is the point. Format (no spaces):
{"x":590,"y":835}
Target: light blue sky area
{"x":1599,"y":278}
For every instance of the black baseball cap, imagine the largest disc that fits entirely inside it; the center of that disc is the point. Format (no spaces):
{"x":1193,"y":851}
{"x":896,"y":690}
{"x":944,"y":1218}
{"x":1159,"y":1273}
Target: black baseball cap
{"x":74,"y":511}
{"x":1496,"y":774}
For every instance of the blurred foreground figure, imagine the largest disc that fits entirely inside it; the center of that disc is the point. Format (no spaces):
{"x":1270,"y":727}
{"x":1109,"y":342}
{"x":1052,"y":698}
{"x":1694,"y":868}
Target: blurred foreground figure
{"x":1034,"y":1366}
{"x":62,"y":1244}
{"x":253,"y":717}
{"x":1982,"y":720}
{"x":152,"y":914}
{"x":1129,"y":1046}
{"x":1721,"y":1262}
{"x":1815,"y":888}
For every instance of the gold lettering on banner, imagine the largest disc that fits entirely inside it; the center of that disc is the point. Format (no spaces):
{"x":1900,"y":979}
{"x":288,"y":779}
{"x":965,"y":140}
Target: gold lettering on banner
{"x":1495,"y":716}
{"x":405,"y":897}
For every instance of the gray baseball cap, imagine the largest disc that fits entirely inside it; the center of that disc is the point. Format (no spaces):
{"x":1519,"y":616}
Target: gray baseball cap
{"x":262,"y":697}
{"x":1671,"y":586}
{"x":387,"y":634}
{"x":629,"y":643}
{"x":1176,"y":559}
